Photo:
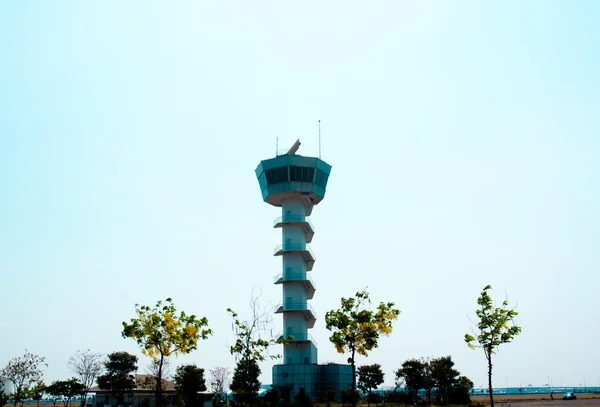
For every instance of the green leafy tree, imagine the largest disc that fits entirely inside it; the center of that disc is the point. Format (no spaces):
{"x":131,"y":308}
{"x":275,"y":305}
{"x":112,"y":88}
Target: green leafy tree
{"x":119,"y":378}
{"x":66,"y":389}
{"x":245,"y":383}
{"x":161,"y":333}
{"x":349,"y":396}
{"x":189,"y":380}
{"x":444,"y":377}
{"x":37,"y":391}
{"x":461,"y":391}
{"x":412,"y":376}
{"x":3,"y":393}
{"x":369,"y":378}
{"x":495,"y":326}
{"x":249,"y":348}
{"x":24,"y":372}
{"x":87,"y":365}
{"x":356,"y":328}
{"x":248,"y":341}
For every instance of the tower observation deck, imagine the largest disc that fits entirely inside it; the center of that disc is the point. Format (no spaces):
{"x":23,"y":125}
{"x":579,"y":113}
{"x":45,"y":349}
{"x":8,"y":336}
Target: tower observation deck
{"x":296,"y":183}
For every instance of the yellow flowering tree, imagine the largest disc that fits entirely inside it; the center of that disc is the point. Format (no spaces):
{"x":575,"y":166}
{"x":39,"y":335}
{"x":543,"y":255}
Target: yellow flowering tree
{"x":356,"y":328}
{"x":161,"y":333}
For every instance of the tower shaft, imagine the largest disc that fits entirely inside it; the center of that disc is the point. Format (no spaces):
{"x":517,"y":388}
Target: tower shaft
{"x":297,"y":287}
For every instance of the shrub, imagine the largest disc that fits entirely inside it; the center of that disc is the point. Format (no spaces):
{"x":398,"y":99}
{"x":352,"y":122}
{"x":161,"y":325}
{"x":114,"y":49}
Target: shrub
{"x":302,"y":399}
{"x":271,"y":397}
{"x":374,"y":398}
{"x":397,"y":397}
{"x":348,"y":397}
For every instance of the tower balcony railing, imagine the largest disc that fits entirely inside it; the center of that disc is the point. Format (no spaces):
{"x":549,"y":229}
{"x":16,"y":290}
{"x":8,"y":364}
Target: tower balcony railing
{"x":295,"y":247}
{"x":307,"y":226}
{"x":307,"y":282}
{"x":296,"y":337}
{"x":300,"y":248}
{"x":293,"y":219}
{"x":295,"y":306}
{"x":294,"y":277}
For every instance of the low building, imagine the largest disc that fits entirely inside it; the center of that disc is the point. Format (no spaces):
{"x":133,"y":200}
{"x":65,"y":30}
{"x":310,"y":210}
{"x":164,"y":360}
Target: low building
{"x":141,"y":396}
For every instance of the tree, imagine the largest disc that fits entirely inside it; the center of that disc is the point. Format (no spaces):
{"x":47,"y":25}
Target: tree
{"x":3,"y":393}
{"x":249,"y":349}
{"x":461,"y":391}
{"x":413,"y":375}
{"x":66,"y":389}
{"x":219,"y":380}
{"x":87,"y":365}
{"x":37,"y":391}
{"x":356,"y":329}
{"x":118,"y":378}
{"x":189,"y":380}
{"x":149,"y":381}
{"x":161,"y":333}
{"x":23,"y":372}
{"x":369,"y":378}
{"x":444,"y":377}
{"x":245,"y":383}
{"x":248,"y":343}
{"x":495,"y":326}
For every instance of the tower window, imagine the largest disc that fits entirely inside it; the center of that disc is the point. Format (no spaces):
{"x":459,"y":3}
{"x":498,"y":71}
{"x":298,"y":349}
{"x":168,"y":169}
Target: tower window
{"x":302,"y":174}
{"x":277,"y":175}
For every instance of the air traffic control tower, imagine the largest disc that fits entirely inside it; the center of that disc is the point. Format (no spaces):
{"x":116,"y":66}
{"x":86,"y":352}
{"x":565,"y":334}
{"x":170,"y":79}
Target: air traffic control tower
{"x":296,"y":183}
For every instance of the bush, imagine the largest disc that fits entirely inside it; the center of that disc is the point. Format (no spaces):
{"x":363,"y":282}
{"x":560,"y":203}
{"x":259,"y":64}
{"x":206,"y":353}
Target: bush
{"x":271,"y":397}
{"x":374,"y":398}
{"x":397,"y":397}
{"x":348,"y":397}
{"x":302,"y":399}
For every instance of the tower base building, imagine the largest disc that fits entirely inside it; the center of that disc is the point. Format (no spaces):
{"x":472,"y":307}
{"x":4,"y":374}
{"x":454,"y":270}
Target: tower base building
{"x":296,"y":183}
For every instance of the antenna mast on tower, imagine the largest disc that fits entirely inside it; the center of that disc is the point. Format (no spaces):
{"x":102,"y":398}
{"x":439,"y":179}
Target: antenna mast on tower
{"x":319,"y":138}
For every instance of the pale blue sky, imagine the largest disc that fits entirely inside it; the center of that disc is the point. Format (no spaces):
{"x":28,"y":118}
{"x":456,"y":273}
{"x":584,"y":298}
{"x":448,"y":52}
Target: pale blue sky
{"x":464,"y":140}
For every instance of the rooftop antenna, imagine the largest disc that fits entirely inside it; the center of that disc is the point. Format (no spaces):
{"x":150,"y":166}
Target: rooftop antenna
{"x":277,"y":147}
{"x":319,"y":138}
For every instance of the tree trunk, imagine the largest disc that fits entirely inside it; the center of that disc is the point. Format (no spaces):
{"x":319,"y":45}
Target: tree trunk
{"x":489,"y":358}
{"x":84,"y":398}
{"x":354,"y":379}
{"x":159,"y":382}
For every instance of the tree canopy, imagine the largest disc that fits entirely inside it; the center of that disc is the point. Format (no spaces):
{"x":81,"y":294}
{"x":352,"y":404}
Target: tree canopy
{"x":436,"y":376}
{"x":248,"y":341}
{"x":356,"y":328}
{"x":66,"y":389}
{"x":189,"y":380}
{"x":119,"y":378}
{"x":23,"y":372}
{"x":37,"y":391}
{"x":444,"y":377}
{"x":245,"y":383}
{"x":87,"y":365}
{"x":369,"y":378}
{"x":161,"y":332}
{"x":413,"y":376}
{"x":495,"y":326}
{"x":3,"y":393}
{"x":219,"y":380}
